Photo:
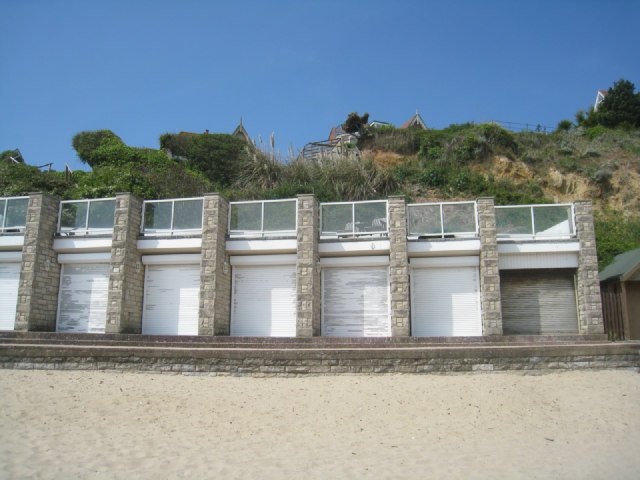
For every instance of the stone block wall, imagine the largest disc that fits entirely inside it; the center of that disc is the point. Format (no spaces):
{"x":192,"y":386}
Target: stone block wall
{"x":308,"y":281}
{"x":126,"y":273}
{"x":399,"y":267}
{"x":588,"y":286}
{"x":490,"y":297}
{"x":40,"y":274}
{"x":215,"y":271}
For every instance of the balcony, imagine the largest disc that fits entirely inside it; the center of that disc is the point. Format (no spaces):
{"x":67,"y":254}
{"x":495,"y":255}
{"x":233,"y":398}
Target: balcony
{"x":173,"y":217}
{"x":535,"y":222}
{"x":263,"y":218}
{"x":13,"y":214}
{"x":86,"y":217}
{"x":354,"y":219}
{"x":442,"y":220}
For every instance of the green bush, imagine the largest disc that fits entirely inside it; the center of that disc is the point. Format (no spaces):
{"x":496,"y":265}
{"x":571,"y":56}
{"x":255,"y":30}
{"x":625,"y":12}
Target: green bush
{"x":564,"y":126}
{"x":615,"y":234}
{"x":92,"y":145}
{"x":596,"y":131}
{"x":433,"y":177}
{"x":497,"y":136}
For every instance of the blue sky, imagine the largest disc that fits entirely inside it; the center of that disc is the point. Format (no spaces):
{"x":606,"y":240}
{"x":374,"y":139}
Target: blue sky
{"x":142,"y":68}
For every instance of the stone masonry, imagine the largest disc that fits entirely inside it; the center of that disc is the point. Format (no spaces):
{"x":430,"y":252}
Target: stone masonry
{"x":126,"y":274}
{"x":588,"y":286}
{"x":489,"y":273}
{"x":308,"y":287}
{"x":399,"y":267}
{"x":215,"y":272}
{"x":40,"y":274}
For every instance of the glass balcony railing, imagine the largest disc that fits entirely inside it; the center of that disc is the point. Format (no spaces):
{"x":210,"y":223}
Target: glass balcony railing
{"x":172,"y":217}
{"x":535,"y":221}
{"x":446,"y":219}
{"x":13,"y":214}
{"x":263,"y":218}
{"x":86,"y":217}
{"x":354,"y":219}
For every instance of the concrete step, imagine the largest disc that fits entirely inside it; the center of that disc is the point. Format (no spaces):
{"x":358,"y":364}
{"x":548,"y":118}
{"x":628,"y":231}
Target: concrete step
{"x":56,"y":338}
{"x":290,"y":357}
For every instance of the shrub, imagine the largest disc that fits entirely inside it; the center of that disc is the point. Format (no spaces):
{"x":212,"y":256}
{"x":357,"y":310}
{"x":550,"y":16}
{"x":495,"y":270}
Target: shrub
{"x":564,"y":126}
{"x":91,"y":145}
{"x":596,"y":131}
{"x":433,"y":177}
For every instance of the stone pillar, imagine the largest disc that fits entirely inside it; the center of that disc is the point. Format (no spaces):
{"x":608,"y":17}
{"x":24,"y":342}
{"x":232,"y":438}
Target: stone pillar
{"x":489,"y":272}
{"x":215,"y":272}
{"x":308,"y":286}
{"x":399,"y":267}
{"x":126,"y":274}
{"x":40,"y":274}
{"x":588,"y":286}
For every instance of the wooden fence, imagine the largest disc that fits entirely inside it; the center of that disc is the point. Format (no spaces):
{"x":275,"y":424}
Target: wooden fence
{"x":612,"y":310}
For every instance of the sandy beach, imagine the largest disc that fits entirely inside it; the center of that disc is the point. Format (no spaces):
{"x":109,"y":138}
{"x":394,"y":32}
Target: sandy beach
{"x":68,"y":424}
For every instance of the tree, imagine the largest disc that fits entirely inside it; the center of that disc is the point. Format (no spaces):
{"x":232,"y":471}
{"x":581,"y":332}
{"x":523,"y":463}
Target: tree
{"x":88,"y":145}
{"x":11,"y":155}
{"x":355,"y":122}
{"x":219,"y":156}
{"x":620,"y":106}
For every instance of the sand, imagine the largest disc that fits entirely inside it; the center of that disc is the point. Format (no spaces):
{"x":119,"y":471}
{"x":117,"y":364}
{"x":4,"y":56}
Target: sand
{"x":68,"y":424}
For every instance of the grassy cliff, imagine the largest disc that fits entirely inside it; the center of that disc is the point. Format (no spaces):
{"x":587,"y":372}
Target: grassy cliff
{"x":459,"y":162}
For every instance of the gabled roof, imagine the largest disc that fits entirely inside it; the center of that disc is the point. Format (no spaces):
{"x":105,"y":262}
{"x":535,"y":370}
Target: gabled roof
{"x":336,"y":132}
{"x":241,"y":133}
{"x":625,"y":266}
{"x":415,"y":122}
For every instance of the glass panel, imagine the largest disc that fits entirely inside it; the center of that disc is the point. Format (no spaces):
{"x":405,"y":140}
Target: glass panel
{"x":459,"y":218}
{"x":157,"y":216}
{"x":246,"y":217}
{"x":424,"y":220}
{"x":371,"y":217}
{"x":280,"y":216}
{"x":187,"y":215}
{"x":513,"y":221}
{"x":101,"y":214}
{"x":16,"y":212}
{"x":337,"y":218}
{"x":2,"y":205}
{"x":554,"y":220}
{"x":73,"y":216}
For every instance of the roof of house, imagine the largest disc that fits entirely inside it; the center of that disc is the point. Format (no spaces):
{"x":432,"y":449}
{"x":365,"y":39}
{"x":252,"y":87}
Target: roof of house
{"x":336,"y":132}
{"x":625,"y":266}
{"x":241,"y":133}
{"x":414,"y":122}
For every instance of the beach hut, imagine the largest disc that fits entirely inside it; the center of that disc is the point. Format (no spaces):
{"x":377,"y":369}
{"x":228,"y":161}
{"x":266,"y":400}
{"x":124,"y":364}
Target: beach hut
{"x":620,"y":287}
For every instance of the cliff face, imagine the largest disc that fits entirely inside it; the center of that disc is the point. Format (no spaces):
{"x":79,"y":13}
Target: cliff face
{"x":596,"y":164}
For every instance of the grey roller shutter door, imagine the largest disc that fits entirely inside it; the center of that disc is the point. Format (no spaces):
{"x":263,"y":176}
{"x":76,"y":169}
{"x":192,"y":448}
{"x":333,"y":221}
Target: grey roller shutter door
{"x":263,"y":301}
{"x":538,"y":302}
{"x":82,"y":304}
{"x":171,"y":300}
{"x":445,"y":302}
{"x":9,"y":281}
{"x":355,"y":302}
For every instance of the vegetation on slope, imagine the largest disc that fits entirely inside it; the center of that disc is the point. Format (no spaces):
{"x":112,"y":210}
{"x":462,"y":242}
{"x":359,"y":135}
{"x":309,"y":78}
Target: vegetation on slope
{"x":587,"y":160}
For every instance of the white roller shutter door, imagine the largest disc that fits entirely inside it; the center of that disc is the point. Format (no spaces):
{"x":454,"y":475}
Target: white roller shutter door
{"x":445,"y":301}
{"x":538,"y":302}
{"x":355,"y":301}
{"x":171,"y":300}
{"x":82,"y":303}
{"x":9,"y":281}
{"x":263,"y":301}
